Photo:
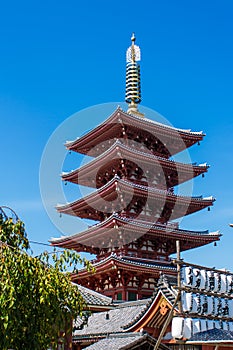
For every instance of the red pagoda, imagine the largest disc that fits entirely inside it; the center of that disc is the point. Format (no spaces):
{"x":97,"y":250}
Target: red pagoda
{"x":135,"y":199}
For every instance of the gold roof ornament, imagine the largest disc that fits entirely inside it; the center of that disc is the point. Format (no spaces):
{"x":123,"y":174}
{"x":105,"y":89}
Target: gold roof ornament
{"x":133,"y":79}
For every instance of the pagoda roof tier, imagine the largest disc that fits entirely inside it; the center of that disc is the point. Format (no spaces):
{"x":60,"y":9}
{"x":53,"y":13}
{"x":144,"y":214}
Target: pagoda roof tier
{"x":117,"y":231}
{"x":134,"y":200}
{"x":120,"y":262}
{"x":157,"y":138}
{"x":134,"y":165}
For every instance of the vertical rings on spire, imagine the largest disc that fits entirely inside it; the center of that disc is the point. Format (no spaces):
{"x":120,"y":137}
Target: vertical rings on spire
{"x":133,"y":81}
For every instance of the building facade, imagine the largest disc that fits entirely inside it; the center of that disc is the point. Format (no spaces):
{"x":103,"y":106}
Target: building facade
{"x":149,"y":299}
{"x":135,"y":200}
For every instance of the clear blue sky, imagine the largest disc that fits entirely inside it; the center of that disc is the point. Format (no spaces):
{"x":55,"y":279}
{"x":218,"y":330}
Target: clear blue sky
{"x":57,"y":58}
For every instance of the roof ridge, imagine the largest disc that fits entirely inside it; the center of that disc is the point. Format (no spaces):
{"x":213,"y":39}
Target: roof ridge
{"x":162,"y":125}
{"x":135,"y":185}
{"x":90,"y":291}
{"x":119,"y":143}
{"x":140,"y":314}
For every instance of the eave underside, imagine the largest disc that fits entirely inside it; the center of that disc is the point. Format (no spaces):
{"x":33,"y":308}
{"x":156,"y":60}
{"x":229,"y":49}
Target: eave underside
{"x":134,"y":165}
{"x":119,"y":269}
{"x":121,"y":196}
{"x":158,"y":138}
{"x":117,"y":232}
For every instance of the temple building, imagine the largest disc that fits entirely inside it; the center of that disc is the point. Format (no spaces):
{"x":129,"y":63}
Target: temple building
{"x":135,"y":201}
{"x":139,"y":295}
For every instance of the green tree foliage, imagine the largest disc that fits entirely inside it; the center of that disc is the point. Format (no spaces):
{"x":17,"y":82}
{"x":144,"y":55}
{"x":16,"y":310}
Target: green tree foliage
{"x":13,"y":233}
{"x":37,"y":298}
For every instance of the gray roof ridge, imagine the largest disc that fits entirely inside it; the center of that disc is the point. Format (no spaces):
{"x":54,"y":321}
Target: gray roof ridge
{"x":133,"y":303}
{"x":166,"y":289}
{"x":129,"y":334}
{"x":212,"y":336}
{"x":96,"y":294}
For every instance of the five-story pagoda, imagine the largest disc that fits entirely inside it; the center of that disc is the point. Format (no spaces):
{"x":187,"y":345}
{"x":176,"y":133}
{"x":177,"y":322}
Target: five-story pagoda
{"x":134,"y":200}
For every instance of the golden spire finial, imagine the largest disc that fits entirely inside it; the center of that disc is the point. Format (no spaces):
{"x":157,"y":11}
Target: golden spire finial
{"x":133,"y":86}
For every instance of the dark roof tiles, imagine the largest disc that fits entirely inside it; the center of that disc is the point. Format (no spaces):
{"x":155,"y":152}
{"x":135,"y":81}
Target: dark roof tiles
{"x":94,"y":298}
{"x":125,"y":342}
{"x":117,"y":320}
{"x":212,"y":335}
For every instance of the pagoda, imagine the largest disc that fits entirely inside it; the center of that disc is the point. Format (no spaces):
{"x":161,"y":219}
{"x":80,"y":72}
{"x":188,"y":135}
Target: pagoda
{"x":135,"y":199}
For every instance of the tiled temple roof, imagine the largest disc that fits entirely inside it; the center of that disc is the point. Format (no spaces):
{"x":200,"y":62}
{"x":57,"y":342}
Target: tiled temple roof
{"x":124,"y":342}
{"x":134,"y":262}
{"x":124,"y":316}
{"x":138,"y":223}
{"x":212,"y":336}
{"x":113,"y":321}
{"x":116,"y":180}
{"x":120,"y":150}
{"x":165,"y":286}
{"x":108,"y":128}
{"x":106,"y":231}
{"x":143,"y":262}
{"x":93,"y":298}
{"x":163,"y":205}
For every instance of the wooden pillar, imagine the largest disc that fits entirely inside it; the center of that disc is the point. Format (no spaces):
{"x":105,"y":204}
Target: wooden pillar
{"x":124,"y":293}
{"x":140,"y":280}
{"x":139,"y":293}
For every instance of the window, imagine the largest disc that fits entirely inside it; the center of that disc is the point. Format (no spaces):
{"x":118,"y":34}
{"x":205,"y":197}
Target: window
{"x":119,"y":296}
{"x":132,"y":296}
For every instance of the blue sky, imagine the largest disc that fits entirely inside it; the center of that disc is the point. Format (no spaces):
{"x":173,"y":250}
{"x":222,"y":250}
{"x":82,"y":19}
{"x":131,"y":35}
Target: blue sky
{"x":58,"y":58}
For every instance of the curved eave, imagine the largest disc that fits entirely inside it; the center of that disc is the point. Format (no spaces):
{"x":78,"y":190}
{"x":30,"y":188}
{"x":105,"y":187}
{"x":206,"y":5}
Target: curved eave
{"x":106,"y":234}
{"x":86,"y":175}
{"x":108,"y":128}
{"x":114,"y":262}
{"x":106,"y":200}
